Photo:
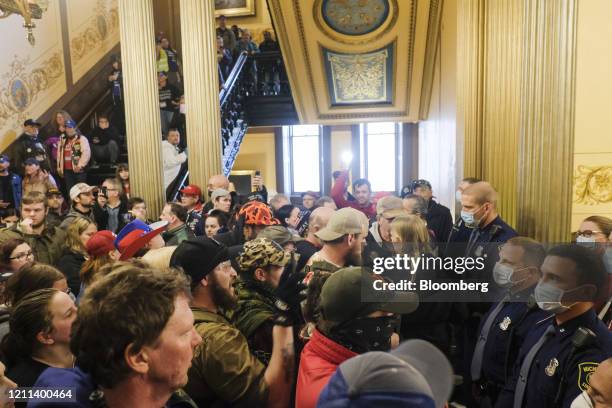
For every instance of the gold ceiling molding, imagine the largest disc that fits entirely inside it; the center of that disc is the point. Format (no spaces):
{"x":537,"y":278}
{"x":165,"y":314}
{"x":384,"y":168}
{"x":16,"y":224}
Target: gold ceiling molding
{"x":304,"y":34}
{"x":100,"y":27}
{"x":23,"y":83}
{"x":593,"y":185}
{"x":355,"y":39}
{"x":433,"y":39}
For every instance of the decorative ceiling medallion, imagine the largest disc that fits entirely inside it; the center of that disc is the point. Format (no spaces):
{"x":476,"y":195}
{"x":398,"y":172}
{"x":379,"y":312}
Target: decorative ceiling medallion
{"x":355,"y":21}
{"x":360,"y":78}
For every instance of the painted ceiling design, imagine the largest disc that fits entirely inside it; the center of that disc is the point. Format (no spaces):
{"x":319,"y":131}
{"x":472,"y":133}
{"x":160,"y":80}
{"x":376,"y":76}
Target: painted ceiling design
{"x":351,"y":61}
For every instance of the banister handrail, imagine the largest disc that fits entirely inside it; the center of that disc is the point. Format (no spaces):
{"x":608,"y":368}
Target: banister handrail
{"x":232,"y":78}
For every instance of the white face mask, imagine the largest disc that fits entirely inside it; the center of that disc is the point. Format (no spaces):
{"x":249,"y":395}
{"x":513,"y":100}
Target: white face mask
{"x":588,"y":242}
{"x":502,"y":274}
{"x":549,"y":297}
{"x":582,"y":401}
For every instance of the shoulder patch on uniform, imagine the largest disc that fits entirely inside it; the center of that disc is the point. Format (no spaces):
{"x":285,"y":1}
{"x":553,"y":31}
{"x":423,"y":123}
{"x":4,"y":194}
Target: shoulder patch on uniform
{"x":584,"y":374}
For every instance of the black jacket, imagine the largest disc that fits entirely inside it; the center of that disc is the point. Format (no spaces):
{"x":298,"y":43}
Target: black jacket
{"x":439,"y":220}
{"x":70,"y":264}
{"x":101,"y":137}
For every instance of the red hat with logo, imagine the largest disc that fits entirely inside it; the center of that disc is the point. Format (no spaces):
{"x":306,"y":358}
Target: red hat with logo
{"x":136,"y":235}
{"x":192,"y":189}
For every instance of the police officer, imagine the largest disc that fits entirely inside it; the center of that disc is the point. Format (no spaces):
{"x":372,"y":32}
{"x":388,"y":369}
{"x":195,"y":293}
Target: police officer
{"x":29,"y":145}
{"x":559,"y":354}
{"x":504,"y":327}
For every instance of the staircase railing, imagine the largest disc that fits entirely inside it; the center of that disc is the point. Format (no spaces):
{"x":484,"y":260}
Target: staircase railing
{"x":233,"y":121}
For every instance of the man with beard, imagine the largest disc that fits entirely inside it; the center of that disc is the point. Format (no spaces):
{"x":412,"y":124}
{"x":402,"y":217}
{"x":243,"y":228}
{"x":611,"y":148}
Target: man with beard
{"x":362,"y":190}
{"x":83,"y":200}
{"x":347,"y":326}
{"x":343,"y":238}
{"x":45,"y":242}
{"x":224,"y":371}
{"x":261,"y":263}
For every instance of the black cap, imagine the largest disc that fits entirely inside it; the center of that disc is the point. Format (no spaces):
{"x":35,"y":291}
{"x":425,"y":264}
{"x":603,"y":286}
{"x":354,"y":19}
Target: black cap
{"x":199,"y":256}
{"x":31,"y":122}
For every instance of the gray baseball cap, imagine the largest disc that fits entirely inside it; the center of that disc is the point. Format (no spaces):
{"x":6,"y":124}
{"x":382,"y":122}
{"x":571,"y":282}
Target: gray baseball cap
{"x":416,"y":374}
{"x":344,"y":221}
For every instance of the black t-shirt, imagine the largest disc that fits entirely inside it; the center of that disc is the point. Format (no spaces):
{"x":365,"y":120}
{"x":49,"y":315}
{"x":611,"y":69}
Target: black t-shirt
{"x":167,"y":94}
{"x":26,"y":372}
{"x":6,"y":190}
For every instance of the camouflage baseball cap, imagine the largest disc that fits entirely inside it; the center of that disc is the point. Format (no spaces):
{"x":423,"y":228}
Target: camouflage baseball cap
{"x":260,"y":253}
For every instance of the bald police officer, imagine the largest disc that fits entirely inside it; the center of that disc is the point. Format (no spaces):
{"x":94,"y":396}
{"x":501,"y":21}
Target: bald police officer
{"x":559,"y":354}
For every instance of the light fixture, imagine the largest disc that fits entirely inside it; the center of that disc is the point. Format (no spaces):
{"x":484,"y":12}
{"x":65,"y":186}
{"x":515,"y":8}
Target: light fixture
{"x":346,"y":157}
{"x":28,"y":9}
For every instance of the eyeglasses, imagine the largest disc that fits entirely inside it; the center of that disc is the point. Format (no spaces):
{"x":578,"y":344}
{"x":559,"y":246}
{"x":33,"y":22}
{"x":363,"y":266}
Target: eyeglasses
{"x":23,"y":255}
{"x":587,"y":233}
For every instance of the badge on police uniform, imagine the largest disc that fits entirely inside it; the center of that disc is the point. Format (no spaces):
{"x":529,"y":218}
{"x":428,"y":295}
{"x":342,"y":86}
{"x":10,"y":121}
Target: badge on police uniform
{"x":478,"y":251}
{"x":551,"y":367}
{"x":505,"y":323}
{"x":584,"y":374}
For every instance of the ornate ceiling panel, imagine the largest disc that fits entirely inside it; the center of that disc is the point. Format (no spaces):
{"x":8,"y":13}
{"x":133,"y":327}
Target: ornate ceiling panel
{"x":358,"y":60}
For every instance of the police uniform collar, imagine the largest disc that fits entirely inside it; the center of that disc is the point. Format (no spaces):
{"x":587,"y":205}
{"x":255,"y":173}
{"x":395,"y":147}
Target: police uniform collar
{"x":497,"y":222}
{"x":521,"y":296}
{"x":587,"y":319}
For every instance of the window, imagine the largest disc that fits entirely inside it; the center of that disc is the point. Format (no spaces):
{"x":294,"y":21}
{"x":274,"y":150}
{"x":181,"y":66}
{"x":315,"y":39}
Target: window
{"x":380,"y":144}
{"x":302,"y":146}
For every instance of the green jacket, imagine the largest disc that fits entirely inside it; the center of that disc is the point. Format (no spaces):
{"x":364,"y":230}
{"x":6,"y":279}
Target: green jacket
{"x":47,"y":247}
{"x":178,"y":235}
{"x":223,"y":370}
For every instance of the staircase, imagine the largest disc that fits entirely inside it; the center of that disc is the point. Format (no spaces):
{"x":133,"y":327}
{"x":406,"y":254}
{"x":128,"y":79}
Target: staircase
{"x":256,"y":93}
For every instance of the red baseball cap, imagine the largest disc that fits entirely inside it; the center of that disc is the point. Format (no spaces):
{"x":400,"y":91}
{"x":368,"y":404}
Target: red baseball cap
{"x":192,"y":189}
{"x":136,"y":235}
{"x":102,"y":242}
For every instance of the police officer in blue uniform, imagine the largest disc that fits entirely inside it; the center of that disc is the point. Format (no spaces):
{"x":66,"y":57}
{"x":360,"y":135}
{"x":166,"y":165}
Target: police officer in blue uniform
{"x":559,"y":355}
{"x":478,"y":234}
{"x":505,"y":326}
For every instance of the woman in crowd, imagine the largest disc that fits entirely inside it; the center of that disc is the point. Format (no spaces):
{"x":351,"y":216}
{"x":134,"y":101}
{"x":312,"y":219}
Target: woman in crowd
{"x":101,"y":250}
{"x":75,"y":254}
{"x":215,"y":223}
{"x":15,"y":254}
{"x":289,"y":216}
{"x":430,"y":321}
{"x":33,"y":277}
{"x":123,"y":175}
{"x":52,"y":142}
{"x":39,"y":335}
{"x":594,"y":232}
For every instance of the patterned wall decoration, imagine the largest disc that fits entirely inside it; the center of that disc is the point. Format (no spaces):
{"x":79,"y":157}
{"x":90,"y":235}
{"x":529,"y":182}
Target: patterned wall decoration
{"x":25,"y":83}
{"x":593,"y":185}
{"x":91,"y":35}
{"x":359,"y":78}
{"x":32,"y":78}
{"x":355,"y":17}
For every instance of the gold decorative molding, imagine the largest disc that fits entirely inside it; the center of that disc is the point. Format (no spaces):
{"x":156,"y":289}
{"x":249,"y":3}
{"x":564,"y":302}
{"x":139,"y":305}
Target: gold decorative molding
{"x":593,"y":184}
{"x":22,"y":84}
{"x":387,"y":25}
{"x":102,"y":26}
{"x":433,"y":39}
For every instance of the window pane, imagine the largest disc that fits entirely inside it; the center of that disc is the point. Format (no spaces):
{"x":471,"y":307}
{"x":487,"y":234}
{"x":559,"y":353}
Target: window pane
{"x":380,"y":127}
{"x":305,"y":130}
{"x":305,"y":158}
{"x":381,"y":158}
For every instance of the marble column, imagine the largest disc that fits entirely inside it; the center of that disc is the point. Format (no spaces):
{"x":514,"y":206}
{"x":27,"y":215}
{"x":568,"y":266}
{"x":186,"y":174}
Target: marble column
{"x":142,"y":118}
{"x":201,"y":90}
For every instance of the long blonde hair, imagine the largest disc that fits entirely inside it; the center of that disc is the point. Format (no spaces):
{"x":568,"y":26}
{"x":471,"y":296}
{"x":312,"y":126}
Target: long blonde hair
{"x":413,"y":234}
{"x":73,"y":235}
